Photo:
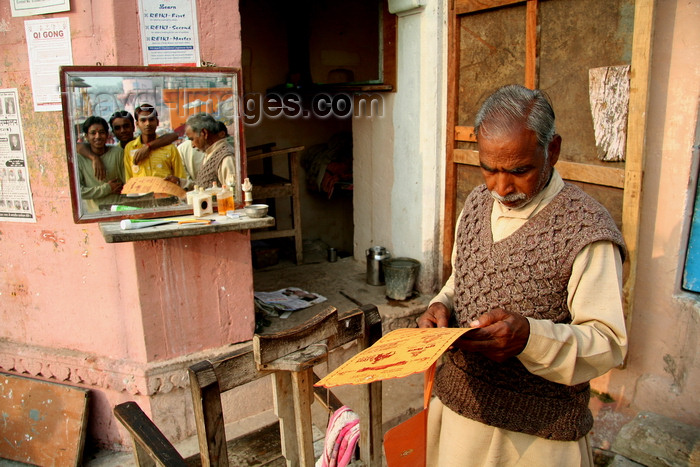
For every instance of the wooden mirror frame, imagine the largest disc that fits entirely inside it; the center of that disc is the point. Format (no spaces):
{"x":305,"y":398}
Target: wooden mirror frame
{"x":176,"y":114}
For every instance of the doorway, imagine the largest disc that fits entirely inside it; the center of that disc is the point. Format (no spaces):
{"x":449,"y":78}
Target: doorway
{"x":301,"y":64}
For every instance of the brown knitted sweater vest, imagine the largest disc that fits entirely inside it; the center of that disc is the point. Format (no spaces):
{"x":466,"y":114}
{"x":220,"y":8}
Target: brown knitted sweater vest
{"x":527,"y":273}
{"x":208,"y":173}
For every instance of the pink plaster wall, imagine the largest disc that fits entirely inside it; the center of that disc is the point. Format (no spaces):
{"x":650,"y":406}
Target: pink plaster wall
{"x":663,"y":364}
{"x":198,"y":292}
{"x":63,"y":290}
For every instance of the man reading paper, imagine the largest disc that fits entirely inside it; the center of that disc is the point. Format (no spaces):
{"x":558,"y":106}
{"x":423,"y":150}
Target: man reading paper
{"x":537,"y":267}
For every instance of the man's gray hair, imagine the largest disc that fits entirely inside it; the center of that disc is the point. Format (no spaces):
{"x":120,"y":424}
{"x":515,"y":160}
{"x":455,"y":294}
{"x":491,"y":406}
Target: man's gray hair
{"x":203,"y":121}
{"x":515,"y":105}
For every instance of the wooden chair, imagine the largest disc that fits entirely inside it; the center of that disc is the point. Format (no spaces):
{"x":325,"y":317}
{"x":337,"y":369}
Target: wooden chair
{"x":288,"y":356}
{"x":270,"y":186}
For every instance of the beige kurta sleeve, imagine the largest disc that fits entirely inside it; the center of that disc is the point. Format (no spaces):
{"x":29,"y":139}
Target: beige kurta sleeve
{"x":227,"y":167}
{"x":596,"y":339}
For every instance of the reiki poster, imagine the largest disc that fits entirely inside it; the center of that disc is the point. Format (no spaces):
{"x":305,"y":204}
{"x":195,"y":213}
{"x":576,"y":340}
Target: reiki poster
{"x":169,"y":32}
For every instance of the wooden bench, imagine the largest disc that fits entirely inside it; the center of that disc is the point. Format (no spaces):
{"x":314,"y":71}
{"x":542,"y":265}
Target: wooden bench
{"x":289,"y":356}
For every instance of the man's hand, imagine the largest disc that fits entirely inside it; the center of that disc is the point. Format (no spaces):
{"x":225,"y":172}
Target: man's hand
{"x":436,"y":316}
{"x":99,"y":168}
{"x":500,"y":335}
{"x":141,"y":154}
{"x":116,"y":185}
{"x":97,"y":164}
{"x":173,"y":179}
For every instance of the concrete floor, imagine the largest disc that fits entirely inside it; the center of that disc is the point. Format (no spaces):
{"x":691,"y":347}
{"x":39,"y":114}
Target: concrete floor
{"x":343,"y":284}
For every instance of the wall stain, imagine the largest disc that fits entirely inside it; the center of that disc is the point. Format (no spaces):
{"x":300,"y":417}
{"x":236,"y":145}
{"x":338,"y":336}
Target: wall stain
{"x":672,"y":368}
{"x":49,"y":236}
{"x":19,"y":290}
{"x":604,"y":397}
{"x":86,"y":243}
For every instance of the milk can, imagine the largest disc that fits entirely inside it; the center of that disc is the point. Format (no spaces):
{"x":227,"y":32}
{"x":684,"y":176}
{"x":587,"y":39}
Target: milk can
{"x":375,"y":273}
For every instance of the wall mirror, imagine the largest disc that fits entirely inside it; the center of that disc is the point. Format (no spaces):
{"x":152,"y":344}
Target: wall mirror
{"x":176,"y":93}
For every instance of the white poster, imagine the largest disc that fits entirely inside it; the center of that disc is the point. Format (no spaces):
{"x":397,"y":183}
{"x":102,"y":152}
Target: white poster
{"x":49,"y":47}
{"x":16,"y":204}
{"x":169,"y":32}
{"x":38,"y":7}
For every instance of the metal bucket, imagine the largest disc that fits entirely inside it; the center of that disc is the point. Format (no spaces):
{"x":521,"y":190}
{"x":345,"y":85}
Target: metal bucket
{"x":400,"y":274}
{"x":375,"y":271}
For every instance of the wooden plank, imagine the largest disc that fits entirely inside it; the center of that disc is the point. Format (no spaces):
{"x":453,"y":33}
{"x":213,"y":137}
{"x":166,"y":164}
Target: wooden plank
{"x":450,"y":169}
{"x":208,"y":415}
{"x":270,"y":347}
{"x":283,"y":398}
{"x":113,"y":233}
{"x":388,"y":52}
{"x":303,"y":396}
{"x":234,"y":369}
{"x":296,"y":208}
{"x":636,"y":133}
{"x":595,"y":174}
{"x":302,"y":359}
{"x":470,"y":6}
{"x":465,"y":133}
{"x":326,"y":397}
{"x":574,"y":171}
{"x":350,"y":327}
{"x":531,"y":45}
{"x":276,"y":152}
{"x":370,"y":409}
{"x":151,"y":447}
{"x":265,"y":234}
{"x":43,"y":423}
{"x":259,"y":447}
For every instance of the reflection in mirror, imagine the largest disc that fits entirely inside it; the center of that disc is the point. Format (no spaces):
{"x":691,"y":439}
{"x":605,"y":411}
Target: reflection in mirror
{"x":127,"y":150}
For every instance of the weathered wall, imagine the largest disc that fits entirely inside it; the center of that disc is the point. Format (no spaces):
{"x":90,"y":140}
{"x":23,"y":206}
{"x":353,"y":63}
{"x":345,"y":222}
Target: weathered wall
{"x":399,"y":166}
{"x":663,"y":365}
{"x":124,"y":320}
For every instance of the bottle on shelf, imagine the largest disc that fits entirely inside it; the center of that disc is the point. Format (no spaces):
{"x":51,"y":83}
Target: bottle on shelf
{"x":191,"y":195}
{"x":247,"y":192}
{"x":224,"y":201}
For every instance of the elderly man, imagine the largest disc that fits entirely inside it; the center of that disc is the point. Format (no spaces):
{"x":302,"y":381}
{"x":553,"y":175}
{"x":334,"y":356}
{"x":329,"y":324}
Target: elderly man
{"x":164,"y":162}
{"x":537,"y":267}
{"x":219,"y":164}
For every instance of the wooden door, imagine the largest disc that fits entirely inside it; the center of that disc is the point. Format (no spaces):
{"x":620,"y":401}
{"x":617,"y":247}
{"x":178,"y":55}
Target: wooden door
{"x":550,"y":45}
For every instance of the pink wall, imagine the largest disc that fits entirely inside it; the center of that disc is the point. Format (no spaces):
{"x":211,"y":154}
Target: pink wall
{"x":120,"y":319}
{"x":662,"y":373}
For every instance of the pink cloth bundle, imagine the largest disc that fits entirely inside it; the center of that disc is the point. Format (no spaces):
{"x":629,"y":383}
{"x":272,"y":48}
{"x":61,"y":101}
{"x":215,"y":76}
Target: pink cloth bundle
{"x":342,"y":435}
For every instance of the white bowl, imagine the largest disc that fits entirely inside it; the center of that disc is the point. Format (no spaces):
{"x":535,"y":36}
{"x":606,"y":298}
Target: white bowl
{"x":256,"y":210}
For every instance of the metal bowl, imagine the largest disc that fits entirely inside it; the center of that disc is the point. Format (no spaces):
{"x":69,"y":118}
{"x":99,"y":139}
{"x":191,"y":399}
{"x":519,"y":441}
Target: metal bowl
{"x":256,"y":210}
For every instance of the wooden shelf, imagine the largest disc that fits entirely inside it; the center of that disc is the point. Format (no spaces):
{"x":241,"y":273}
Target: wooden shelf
{"x":270,"y":187}
{"x":113,"y":232}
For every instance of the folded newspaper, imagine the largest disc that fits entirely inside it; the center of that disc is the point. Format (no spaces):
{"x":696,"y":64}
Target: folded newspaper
{"x":283,"y":300}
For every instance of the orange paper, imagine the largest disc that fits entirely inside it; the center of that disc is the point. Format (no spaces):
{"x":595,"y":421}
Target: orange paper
{"x":152,"y":185}
{"x":400,"y":353}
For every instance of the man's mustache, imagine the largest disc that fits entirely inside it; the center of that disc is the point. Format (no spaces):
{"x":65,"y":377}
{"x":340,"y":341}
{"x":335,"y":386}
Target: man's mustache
{"x":511,"y":198}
